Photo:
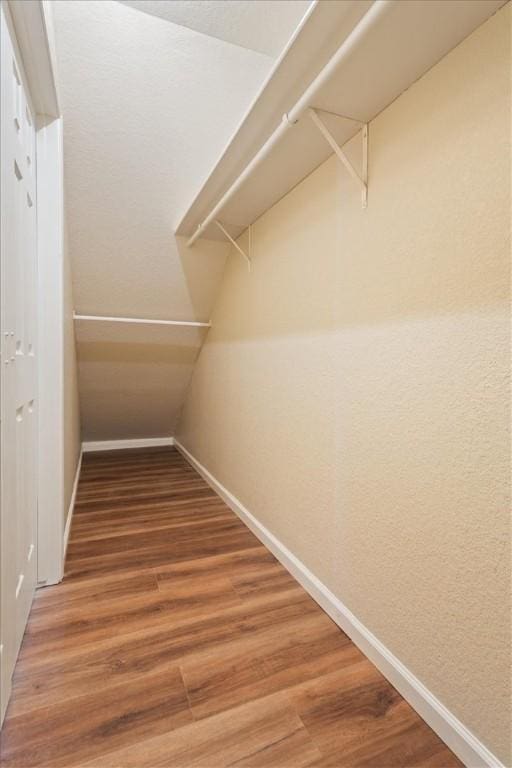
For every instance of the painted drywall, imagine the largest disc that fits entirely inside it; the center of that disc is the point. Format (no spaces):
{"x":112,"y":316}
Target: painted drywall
{"x":352,"y":392}
{"x":72,"y":438}
{"x":264,"y":25}
{"x":148,"y":107}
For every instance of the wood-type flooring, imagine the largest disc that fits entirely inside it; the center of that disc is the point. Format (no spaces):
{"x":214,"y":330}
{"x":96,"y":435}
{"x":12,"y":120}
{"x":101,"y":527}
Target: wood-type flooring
{"x":176,"y":639}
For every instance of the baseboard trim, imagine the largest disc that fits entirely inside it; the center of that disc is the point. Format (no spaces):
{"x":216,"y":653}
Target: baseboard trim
{"x":455,"y":735}
{"x":71,"y":509}
{"x":114,"y":445}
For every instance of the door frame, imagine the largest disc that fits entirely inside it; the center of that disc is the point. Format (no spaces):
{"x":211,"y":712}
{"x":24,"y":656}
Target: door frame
{"x":19,"y":412}
{"x":31,"y":27}
{"x":51,"y":345}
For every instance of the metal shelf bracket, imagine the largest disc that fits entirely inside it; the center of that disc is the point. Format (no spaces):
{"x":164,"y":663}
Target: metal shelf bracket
{"x":361,"y":180}
{"x":234,"y":243}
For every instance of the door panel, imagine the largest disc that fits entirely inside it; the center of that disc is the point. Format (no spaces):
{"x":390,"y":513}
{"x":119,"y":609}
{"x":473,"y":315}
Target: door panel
{"x":18,"y":326}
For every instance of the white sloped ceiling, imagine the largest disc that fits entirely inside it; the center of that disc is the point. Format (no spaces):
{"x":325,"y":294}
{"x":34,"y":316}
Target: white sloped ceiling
{"x":148,"y":107}
{"x":261,"y":25}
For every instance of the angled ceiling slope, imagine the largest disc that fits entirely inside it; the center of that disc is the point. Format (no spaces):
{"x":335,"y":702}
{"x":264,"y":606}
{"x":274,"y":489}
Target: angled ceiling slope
{"x":377,"y":57}
{"x":264,"y":26}
{"x":135,"y":91}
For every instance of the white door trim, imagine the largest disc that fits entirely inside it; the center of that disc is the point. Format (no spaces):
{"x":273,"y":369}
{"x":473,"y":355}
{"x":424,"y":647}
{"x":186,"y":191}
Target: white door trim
{"x":51,"y":343}
{"x":33,"y":27}
{"x":71,"y":509}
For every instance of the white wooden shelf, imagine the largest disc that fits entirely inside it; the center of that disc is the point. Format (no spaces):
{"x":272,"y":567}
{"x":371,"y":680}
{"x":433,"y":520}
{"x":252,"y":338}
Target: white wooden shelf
{"x":381,"y":49}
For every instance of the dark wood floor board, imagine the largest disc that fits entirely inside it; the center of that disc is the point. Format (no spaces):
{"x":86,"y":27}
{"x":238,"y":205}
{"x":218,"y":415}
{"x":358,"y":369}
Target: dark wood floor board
{"x":39,"y":682}
{"x":247,"y":560}
{"x":153,"y":464}
{"x":96,"y":724}
{"x":169,"y":477}
{"x":94,"y":591}
{"x":158,"y":555}
{"x":264,"y":734}
{"x":261,"y":581}
{"x":113,"y":477}
{"x":78,"y":626}
{"x":103,"y":489}
{"x":109,"y":520}
{"x":112,"y":513}
{"x":139,"y":527}
{"x":147,"y":495}
{"x":182,"y":600}
{"x":155,"y":538}
{"x":177,"y":639}
{"x":276,"y":662}
{"x":358,"y":719}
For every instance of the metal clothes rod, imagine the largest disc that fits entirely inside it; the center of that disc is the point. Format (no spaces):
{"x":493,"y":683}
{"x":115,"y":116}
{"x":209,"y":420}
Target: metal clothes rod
{"x":142,"y":321}
{"x":372,"y":16}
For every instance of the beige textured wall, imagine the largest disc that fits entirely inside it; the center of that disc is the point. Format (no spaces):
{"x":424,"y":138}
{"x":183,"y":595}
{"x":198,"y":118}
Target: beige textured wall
{"x":71,"y":401}
{"x":353,"y":390}
{"x":134,"y":90}
{"x":133,"y":378}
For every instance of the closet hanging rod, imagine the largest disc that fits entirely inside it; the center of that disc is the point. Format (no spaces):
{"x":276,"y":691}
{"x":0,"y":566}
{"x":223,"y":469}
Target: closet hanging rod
{"x":141,"y":321}
{"x":371,"y":17}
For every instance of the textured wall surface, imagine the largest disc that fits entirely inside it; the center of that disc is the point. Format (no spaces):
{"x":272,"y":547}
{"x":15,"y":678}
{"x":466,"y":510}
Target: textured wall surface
{"x":148,"y":107}
{"x":133,"y":378}
{"x":353,"y":392}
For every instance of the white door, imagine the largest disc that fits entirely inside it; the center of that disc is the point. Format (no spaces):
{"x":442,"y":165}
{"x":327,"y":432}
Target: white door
{"x":18,"y":328}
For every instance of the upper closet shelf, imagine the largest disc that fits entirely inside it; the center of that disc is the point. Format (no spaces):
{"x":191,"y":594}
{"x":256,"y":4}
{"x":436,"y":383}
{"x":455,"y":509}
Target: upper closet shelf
{"x":347,"y":61}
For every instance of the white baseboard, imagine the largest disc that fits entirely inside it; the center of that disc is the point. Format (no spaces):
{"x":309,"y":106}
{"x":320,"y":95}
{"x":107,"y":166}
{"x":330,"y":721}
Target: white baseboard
{"x":114,"y":445}
{"x":71,"y":509}
{"x":455,"y":735}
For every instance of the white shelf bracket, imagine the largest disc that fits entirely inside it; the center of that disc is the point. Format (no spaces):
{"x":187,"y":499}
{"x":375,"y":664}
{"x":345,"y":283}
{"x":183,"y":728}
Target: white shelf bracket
{"x":234,"y":243}
{"x":361,"y":180}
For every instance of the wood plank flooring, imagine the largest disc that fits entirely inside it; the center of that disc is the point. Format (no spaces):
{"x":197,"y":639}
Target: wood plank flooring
{"x":176,"y":639}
